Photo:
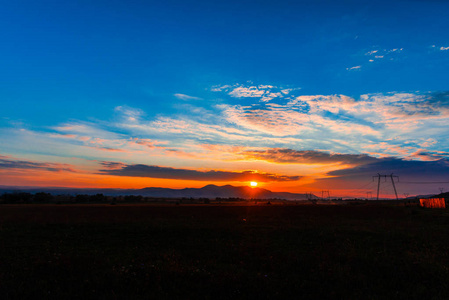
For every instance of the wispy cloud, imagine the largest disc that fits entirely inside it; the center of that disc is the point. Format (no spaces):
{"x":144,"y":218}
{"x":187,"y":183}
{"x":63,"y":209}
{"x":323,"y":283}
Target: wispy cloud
{"x":444,"y":48}
{"x":186,"y":97}
{"x":290,"y":156}
{"x":90,"y":130}
{"x":303,"y":116}
{"x":354,"y":68}
{"x":383,"y":54}
{"x":265,"y":92}
{"x":131,"y":114}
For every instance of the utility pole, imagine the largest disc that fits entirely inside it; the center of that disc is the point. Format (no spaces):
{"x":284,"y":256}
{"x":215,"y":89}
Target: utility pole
{"x":392,"y":182}
{"x":405,"y":199}
{"x":378,"y":186}
{"x":369,"y":195}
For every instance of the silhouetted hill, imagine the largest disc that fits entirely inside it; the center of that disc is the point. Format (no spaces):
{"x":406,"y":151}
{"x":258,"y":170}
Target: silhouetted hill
{"x":209,"y":191}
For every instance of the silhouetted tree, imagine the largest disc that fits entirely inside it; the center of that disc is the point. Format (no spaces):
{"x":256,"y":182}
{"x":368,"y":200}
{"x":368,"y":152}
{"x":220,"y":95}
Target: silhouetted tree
{"x":97,"y":198}
{"x":132,"y":198}
{"x":81,"y":198}
{"x":19,"y":197}
{"x":43,"y":197}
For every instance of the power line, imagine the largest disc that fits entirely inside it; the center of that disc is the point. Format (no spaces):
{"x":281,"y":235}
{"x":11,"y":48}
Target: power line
{"x":422,"y":182}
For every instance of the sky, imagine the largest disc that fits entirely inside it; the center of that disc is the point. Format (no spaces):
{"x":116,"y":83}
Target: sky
{"x":299,"y":96}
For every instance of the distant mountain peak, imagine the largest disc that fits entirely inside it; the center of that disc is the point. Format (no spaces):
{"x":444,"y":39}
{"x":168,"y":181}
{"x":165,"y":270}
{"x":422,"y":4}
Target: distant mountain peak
{"x":210,"y":185}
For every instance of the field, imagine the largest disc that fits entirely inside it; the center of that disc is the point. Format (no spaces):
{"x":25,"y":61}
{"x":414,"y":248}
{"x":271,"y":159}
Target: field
{"x":222,"y":252}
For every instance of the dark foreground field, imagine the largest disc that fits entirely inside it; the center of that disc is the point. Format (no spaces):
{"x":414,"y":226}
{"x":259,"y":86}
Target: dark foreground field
{"x":223,"y":252}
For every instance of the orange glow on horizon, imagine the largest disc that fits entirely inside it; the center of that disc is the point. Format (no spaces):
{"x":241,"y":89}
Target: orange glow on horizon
{"x":80,"y":179}
{"x":43,"y":178}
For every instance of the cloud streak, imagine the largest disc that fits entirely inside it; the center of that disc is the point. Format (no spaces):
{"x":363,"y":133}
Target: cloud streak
{"x":10,"y":163}
{"x":141,"y":170}
{"x":186,"y":97}
{"x":354,"y":68}
{"x":289,"y":156}
{"x":413,"y":170}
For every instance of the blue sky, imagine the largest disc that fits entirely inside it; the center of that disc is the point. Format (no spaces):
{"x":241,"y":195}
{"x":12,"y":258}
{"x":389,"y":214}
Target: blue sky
{"x":207,"y":84}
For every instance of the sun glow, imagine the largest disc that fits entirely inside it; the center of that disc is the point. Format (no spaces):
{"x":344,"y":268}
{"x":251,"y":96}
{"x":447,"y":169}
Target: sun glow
{"x":253,"y":183}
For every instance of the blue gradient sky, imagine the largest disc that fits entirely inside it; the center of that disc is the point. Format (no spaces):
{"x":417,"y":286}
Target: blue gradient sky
{"x":231,"y":86}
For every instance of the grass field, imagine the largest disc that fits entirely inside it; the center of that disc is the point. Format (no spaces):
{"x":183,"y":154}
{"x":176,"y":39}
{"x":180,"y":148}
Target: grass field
{"x":223,"y":252}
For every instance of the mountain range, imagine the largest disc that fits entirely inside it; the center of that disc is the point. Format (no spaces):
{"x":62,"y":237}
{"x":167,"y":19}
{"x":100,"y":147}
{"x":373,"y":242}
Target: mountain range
{"x":209,"y":191}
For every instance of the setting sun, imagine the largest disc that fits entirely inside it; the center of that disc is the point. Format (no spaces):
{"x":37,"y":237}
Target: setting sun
{"x":253,"y":183}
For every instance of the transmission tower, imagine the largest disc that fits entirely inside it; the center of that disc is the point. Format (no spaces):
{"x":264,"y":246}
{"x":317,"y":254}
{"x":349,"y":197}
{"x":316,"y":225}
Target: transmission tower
{"x":369,"y":195}
{"x":325,"y":193}
{"x":391,"y":176}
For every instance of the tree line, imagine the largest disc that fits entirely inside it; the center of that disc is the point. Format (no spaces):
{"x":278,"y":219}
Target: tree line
{"x":43,"y":197}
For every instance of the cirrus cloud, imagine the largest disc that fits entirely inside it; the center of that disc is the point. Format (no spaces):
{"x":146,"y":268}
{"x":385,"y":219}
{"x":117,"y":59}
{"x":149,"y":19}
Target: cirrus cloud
{"x":186,"y":97}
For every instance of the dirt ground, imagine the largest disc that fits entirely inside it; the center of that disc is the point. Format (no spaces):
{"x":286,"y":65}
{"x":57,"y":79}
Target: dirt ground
{"x":223,"y":251}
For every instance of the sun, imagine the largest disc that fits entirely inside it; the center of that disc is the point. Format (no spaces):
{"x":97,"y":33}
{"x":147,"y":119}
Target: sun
{"x":253,"y":183}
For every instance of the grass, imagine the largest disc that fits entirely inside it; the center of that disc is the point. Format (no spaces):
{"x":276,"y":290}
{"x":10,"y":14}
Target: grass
{"x":222,"y":252}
